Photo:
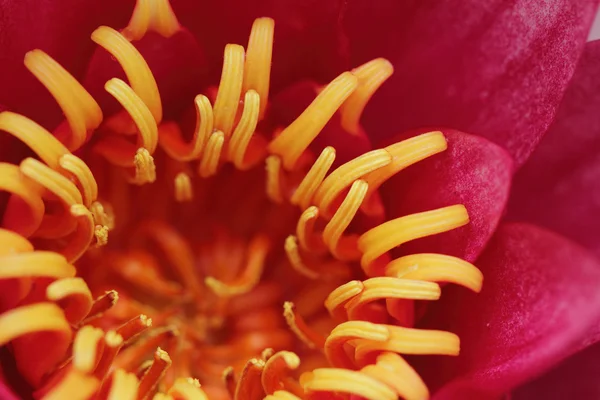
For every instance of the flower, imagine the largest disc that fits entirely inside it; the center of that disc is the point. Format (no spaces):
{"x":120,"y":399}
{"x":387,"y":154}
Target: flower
{"x":193,"y":216}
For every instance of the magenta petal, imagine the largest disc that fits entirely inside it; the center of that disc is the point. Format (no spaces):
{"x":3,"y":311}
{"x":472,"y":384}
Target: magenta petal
{"x":495,"y":68}
{"x":575,"y":378}
{"x":472,"y":171}
{"x":559,"y":186}
{"x":540,"y":297}
{"x":62,"y":29}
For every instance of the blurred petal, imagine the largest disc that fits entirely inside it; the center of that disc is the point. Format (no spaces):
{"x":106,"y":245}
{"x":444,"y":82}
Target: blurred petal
{"x":494,"y":68}
{"x":575,"y":378}
{"x":307,"y":44}
{"x":472,"y":171}
{"x":540,"y":297}
{"x":61,"y":28}
{"x":559,"y":186}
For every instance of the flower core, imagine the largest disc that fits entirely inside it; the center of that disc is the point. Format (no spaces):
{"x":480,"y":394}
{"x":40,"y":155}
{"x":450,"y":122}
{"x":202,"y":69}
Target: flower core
{"x":241,"y":260}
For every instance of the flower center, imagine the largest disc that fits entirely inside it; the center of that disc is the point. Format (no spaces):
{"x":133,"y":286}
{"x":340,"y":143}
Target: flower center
{"x":245,"y":259}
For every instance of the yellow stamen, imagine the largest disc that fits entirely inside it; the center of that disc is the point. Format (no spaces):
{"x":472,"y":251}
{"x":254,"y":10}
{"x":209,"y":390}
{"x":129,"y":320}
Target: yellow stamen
{"x":38,"y":317}
{"x":56,"y":183}
{"x":183,"y":188}
{"x":391,"y":288}
{"x":138,"y":110}
{"x":340,"y":296}
{"x":152,"y":15}
{"x":257,"y":70}
{"x":162,"y":396}
{"x":73,"y":296}
{"x":170,"y":136}
{"x":404,"y":154}
{"x":210,"y":161}
{"x":281,"y":395}
{"x":137,"y":70}
{"x":349,"y":331}
{"x":230,"y":88}
{"x":392,"y":370}
{"x":83,"y":235}
{"x":124,"y":386}
{"x":341,"y":219}
{"x":313,"y":178}
{"x":390,"y":234}
{"x":410,"y":341}
{"x":76,"y":386}
{"x":250,"y":276}
{"x":155,"y":373}
{"x":370,"y":77}
{"x":273,"y":167}
{"x":309,"y":240}
{"x":346,"y":381}
{"x":81,"y":110}
{"x":437,"y":268}
{"x":297,"y":324}
{"x":13,"y":181}
{"x":244,"y":130}
{"x":293,"y":255}
{"x":145,"y":170}
{"x":187,"y":389}
{"x":249,"y":385}
{"x":296,"y":138}
{"x":346,"y":174}
{"x":79,"y":169}
{"x":87,"y":348}
{"x":47,"y":264}
{"x":274,"y":373}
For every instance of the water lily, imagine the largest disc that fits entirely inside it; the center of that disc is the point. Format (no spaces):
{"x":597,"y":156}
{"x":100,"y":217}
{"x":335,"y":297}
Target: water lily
{"x":290,"y":200}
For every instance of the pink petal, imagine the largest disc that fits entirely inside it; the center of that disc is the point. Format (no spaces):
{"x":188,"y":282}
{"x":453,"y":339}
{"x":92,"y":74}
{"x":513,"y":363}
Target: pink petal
{"x":473,"y":172}
{"x":540,"y":297}
{"x":559,"y":186}
{"x":62,"y":29}
{"x":494,"y":68}
{"x":575,"y":378}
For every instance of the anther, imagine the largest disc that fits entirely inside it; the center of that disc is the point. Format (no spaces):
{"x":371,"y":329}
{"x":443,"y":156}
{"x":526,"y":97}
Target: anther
{"x":137,"y":70}
{"x":145,"y":170}
{"x":370,"y":77}
{"x":257,"y":70}
{"x":101,"y":234}
{"x":296,"y":138}
{"x":187,"y":389}
{"x":230,"y":89}
{"x":183,"y":188}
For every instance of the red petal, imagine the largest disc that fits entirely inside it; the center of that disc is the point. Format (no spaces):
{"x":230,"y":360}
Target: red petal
{"x":575,"y":378}
{"x":558,"y":187}
{"x":494,"y":68}
{"x":540,"y":296}
{"x":62,"y":29}
{"x":473,"y":172}
{"x":307,"y":43}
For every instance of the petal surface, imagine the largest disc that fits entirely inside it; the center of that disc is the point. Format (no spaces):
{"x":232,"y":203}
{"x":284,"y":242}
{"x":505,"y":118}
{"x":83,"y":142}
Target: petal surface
{"x":493,"y":68}
{"x":472,"y":171}
{"x":559,"y":186}
{"x":539,"y":299}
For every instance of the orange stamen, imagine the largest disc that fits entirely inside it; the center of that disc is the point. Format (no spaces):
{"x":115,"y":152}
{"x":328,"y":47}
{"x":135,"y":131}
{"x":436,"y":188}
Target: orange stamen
{"x":150,"y":380}
{"x":297,"y":324}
